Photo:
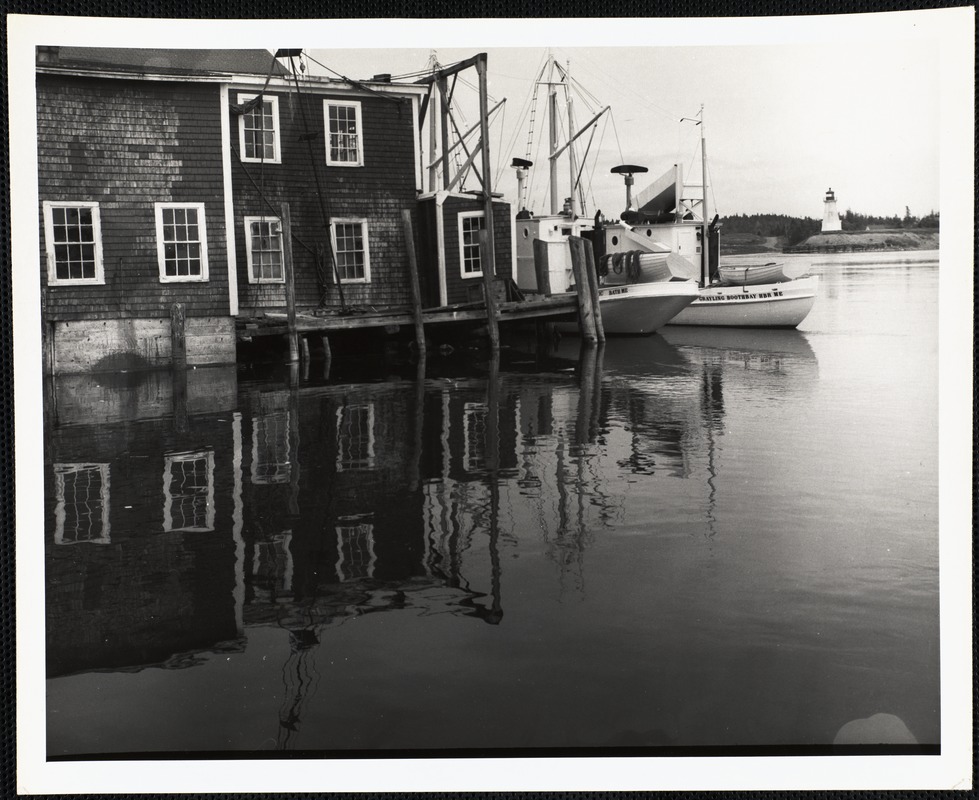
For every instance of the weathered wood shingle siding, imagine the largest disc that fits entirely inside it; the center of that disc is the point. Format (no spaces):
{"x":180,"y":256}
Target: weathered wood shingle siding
{"x":127,"y":145}
{"x":377,"y":192}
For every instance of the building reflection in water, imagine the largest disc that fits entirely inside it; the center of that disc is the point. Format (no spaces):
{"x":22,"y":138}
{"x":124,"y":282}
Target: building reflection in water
{"x":199,"y":513}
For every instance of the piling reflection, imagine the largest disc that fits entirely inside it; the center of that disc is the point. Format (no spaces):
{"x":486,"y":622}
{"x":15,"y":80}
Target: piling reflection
{"x":303,"y":505}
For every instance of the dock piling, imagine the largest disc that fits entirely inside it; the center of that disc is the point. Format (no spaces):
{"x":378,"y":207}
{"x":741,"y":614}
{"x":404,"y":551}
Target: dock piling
{"x":290,"y":283}
{"x":416,"y":295}
{"x":596,"y":300}
{"x":586,"y":312}
{"x":178,"y":336}
{"x":492,"y":313}
{"x":542,"y":267}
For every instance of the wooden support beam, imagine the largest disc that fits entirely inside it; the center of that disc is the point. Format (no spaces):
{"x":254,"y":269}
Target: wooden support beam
{"x":416,"y":295}
{"x":492,"y":312}
{"x":586,"y":311}
{"x":288,"y":274}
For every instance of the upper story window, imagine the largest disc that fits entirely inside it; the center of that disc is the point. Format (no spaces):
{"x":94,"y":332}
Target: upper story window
{"x":81,"y":512}
{"x":181,"y":241}
{"x":350,"y":247}
{"x":344,"y":141}
{"x":258,"y":130}
{"x":470,"y":224}
{"x":73,"y":239}
{"x":263,"y":246}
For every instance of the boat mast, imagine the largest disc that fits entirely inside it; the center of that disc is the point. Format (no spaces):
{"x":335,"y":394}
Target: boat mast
{"x":704,"y":242}
{"x":552,"y":129}
{"x":705,"y":249}
{"x":571,"y":162}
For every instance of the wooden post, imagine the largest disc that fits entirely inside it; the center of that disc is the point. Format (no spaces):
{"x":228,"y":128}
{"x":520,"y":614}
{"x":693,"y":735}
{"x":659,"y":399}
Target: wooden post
{"x":586,"y":314}
{"x":596,"y":295}
{"x":178,"y":337}
{"x":304,"y":347}
{"x":290,"y":282}
{"x":327,"y":357}
{"x":416,"y":294}
{"x":542,"y":267}
{"x":492,"y":324}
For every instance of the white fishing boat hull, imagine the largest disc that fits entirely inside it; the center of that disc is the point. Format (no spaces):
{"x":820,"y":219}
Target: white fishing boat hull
{"x":760,"y":274}
{"x":776,"y":305}
{"x":640,"y":308}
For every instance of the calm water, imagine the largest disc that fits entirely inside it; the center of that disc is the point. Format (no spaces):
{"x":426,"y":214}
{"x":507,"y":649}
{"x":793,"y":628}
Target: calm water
{"x":701,"y":538}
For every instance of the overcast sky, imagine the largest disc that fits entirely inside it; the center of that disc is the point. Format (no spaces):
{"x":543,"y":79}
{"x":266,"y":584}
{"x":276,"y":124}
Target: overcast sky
{"x":782,"y":123}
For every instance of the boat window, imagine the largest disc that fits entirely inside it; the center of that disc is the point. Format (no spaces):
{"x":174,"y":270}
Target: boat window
{"x":615,"y":240}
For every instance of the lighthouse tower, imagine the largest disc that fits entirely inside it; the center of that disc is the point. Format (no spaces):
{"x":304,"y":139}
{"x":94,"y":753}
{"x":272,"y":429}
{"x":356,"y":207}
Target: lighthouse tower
{"x":831,"y":219}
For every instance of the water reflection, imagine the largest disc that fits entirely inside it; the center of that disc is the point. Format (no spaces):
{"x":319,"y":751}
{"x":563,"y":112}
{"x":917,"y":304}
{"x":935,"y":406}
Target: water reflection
{"x":303,"y":505}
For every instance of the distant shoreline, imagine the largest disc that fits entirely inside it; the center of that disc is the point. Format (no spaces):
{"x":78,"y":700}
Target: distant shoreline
{"x":836,"y":242}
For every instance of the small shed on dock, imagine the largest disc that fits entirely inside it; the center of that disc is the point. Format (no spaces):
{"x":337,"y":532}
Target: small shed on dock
{"x":448,"y":243}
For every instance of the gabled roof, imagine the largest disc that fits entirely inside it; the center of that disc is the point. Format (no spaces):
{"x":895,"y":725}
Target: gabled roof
{"x":162,"y":61}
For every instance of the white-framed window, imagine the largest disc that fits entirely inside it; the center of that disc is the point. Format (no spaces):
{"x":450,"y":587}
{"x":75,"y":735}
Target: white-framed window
{"x":470,"y":224}
{"x":73,"y":242}
{"x":355,"y":437}
{"x":263,"y":246}
{"x":188,"y":491}
{"x":181,"y":242}
{"x":344,"y":140}
{"x":355,"y":550}
{"x":349,"y":237}
{"x":474,"y":417}
{"x":270,"y":449}
{"x":258,"y":130}
{"x":81,"y":512}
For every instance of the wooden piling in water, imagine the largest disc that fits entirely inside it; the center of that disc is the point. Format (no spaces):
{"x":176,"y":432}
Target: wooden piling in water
{"x":596,"y":297}
{"x":416,"y":295}
{"x":290,"y":283}
{"x":178,"y":335}
{"x":542,"y":267}
{"x":586,"y":312}
{"x":492,"y":313}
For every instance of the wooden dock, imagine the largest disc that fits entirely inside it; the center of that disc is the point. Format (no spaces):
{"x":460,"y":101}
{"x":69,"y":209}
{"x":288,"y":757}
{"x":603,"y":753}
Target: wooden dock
{"x":277,"y":323}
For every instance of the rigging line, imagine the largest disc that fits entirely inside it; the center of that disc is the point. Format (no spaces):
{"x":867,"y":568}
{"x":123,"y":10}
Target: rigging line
{"x":618,"y":83}
{"x":618,"y":143}
{"x":499,"y":161}
{"x":353,"y":82}
{"x":584,"y":160}
{"x":322,"y":200}
{"x":594,"y":166}
{"x":274,"y":211}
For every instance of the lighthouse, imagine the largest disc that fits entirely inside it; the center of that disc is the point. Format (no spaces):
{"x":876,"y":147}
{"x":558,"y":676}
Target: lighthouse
{"x":831,"y":219}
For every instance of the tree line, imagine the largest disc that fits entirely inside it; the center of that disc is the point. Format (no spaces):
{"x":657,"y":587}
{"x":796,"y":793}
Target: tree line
{"x":797,"y":229}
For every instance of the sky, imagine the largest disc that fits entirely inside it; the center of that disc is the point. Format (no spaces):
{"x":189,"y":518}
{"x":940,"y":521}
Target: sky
{"x":782,"y":123}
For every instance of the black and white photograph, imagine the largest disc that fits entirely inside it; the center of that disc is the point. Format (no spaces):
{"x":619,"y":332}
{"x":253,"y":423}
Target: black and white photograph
{"x":493,"y":404}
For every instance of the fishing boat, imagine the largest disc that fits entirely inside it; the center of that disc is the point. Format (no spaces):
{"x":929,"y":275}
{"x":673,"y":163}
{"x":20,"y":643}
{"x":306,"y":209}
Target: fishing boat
{"x":672,"y":218}
{"x":629,"y":306}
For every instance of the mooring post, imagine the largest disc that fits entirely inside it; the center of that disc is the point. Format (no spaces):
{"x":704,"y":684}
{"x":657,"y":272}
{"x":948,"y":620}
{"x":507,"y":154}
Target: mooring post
{"x":596,"y":295}
{"x":486,"y":264}
{"x":586,"y":314}
{"x":542,"y":268}
{"x":416,"y":294}
{"x":290,"y":283}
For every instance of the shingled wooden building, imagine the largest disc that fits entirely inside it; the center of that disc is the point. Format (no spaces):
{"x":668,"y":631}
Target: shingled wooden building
{"x":164,"y":176}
